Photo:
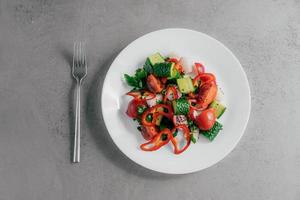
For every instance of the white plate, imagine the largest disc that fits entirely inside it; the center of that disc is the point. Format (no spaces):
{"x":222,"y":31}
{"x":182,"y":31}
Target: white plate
{"x":217,"y":59}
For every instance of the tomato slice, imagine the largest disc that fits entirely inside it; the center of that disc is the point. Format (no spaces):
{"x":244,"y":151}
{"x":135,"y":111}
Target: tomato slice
{"x":132,"y":109}
{"x":207,"y":93}
{"x":154,"y":84}
{"x":206,"y":119}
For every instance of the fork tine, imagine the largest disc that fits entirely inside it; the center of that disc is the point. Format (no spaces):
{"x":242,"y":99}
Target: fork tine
{"x":74,"y":54}
{"x":84,"y":54}
{"x":81,"y":54}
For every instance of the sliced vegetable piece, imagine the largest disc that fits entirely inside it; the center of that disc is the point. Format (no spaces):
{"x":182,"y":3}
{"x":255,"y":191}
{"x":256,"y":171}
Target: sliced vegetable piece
{"x":198,"y":68}
{"x":219,"y":108}
{"x":185,"y":85}
{"x":186,"y":136}
{"x":207,"y":93}
{"x":156,"y":58}
{"x":203,"y":78}
{"x":154,"y":101}
{"x":173,"y":60}
{"x":171,"y":94}
{"x":148,"y":132}
{"x":194,"y":135}
{"x":157,"y":141}
{"x":180,"y":120}
{"x":154,"y":84}
{"x":175,"y":71}
{"x":213,"y":132}
{"x":135,"y":94}
{"x":132,"y":109}
{"x":181,"y":106}
{"x":155,"y":111}
{"x":162,"y":69}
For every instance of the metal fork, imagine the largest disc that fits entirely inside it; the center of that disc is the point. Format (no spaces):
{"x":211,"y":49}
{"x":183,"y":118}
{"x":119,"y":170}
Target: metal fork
{"x":79,"y":71}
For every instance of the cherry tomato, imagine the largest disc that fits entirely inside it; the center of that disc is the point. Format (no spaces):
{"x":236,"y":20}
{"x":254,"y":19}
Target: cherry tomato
{"x":132,"y":109}
{"x":154,"y":84}
{"x":148,"y":132}
{"x":206,"y":119}
{"x":207,"y":93}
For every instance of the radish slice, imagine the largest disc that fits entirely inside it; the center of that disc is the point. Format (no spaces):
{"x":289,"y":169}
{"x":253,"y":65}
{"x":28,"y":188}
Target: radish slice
{"x":153,"y":101}
{"x":179,"y":120}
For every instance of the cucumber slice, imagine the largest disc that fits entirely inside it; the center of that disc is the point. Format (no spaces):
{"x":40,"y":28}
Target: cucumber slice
{"x":174,"y":72}
{"x":213,"y":132}
{"x":220,"y":109}
{"x":156,"y":58}
{"x":166,"y":70}
{"x":162,"y":69}
{"x":185,"y":85}
{"x":181,"y":107}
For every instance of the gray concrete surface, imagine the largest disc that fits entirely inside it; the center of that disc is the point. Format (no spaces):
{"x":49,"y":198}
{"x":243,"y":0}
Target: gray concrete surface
{"x":36,"y":118}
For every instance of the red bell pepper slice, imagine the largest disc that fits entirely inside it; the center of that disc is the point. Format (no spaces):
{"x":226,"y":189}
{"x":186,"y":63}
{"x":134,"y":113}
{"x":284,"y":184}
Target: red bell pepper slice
{"x":148,"y":95}
{"x":178,"y":64}
{"x":135,"y":94}
{"x":157,"y":141}
{"x":187,"y":137}
{"x":179,"y":67}
{"x":174,"y":60}
{"x":198,"y":68}
{"x":170,"y":90}
{"x":204,"y":78}
{"x":155,"y":112}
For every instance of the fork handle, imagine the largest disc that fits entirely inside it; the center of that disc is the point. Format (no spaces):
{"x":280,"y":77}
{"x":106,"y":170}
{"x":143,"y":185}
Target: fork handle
{"x":76,"y":152}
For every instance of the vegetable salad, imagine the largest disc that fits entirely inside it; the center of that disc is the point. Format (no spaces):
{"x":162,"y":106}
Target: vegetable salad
{"x":174,"y":102}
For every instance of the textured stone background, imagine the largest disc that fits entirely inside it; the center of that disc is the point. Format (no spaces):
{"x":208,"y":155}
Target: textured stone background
{"x":36,"y":39}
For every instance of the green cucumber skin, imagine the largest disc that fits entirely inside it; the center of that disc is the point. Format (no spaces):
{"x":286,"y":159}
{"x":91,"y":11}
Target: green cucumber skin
{"x":221,"y":113}
{"x":181,"y":107}
{"x":156,"y":58}
{"x":162,"y":69}
{"x":213,"y":132}
{"x":220,"y":109}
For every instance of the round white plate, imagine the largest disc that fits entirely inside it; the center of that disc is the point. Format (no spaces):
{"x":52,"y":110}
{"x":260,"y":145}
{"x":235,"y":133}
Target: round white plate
{"x":198,"y":47}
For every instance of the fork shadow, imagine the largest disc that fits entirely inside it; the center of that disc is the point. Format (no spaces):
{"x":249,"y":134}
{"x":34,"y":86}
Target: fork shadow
{"x":100,"y":134}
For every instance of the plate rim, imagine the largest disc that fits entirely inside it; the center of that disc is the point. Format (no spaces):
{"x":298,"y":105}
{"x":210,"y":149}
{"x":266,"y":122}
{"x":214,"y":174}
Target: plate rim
{"x":244,"y":76}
